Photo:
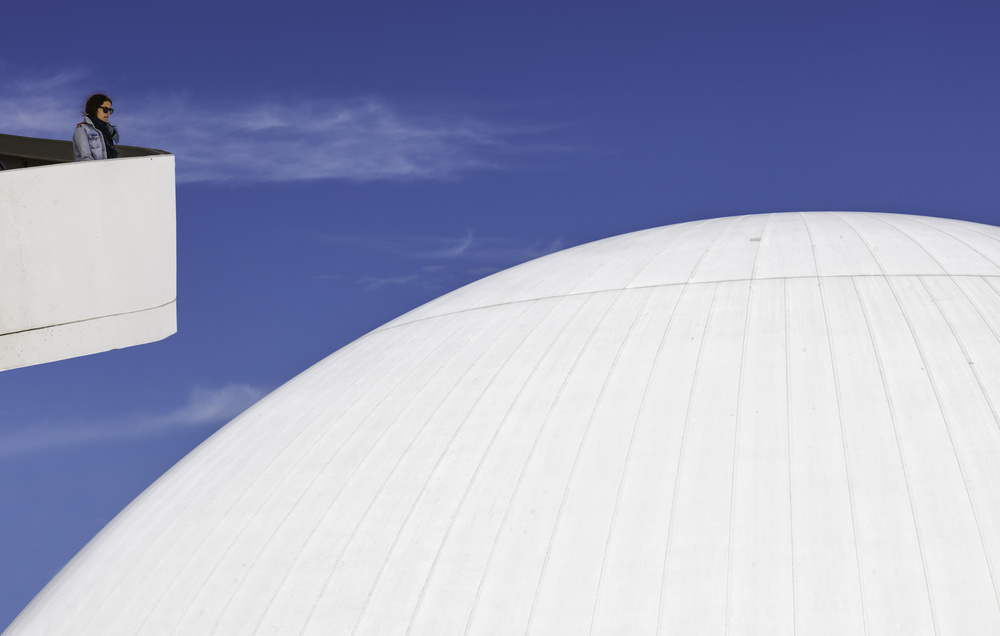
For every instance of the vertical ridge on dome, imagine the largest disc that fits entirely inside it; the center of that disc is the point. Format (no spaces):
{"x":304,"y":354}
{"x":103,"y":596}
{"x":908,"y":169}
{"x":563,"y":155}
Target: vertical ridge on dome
{"x":394,"y":594}
{"x":982,"y":239}
{"x":520,"y":508}
{"x":895,"y":253}
{"x":453,"y":576}
{"x":786,"y":249}
{"x":732,"y":254}
{"x":384,"y":445}
{"x":678,"y":264}
{"x":945,"y":519}
{"x":670,"y":602}
{"x":823,"y":526}
{"x":646,"y":247}
{"x":619,"y":563}
{"x":323,"y":464}
{"x":886,"y":543}
{"x":761,"y":521}
{"x":839,"y":250}
{"x":963,"y":406}
{"x":979,"y":300}
{"x":950,"y":254}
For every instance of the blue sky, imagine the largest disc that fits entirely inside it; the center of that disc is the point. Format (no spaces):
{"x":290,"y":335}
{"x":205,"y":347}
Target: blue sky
{"x":341,"y":163}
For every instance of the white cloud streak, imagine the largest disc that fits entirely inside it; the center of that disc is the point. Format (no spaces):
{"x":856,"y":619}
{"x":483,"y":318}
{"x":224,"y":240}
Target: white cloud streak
{"x":445,"y":261}
{"x":204,"y":407}
{"x":469,"y":247}
{"x":372,"y":283}
{"x":301,"y":139}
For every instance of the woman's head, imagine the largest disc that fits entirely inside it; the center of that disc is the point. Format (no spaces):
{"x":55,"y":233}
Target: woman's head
{"x":99,"y":107}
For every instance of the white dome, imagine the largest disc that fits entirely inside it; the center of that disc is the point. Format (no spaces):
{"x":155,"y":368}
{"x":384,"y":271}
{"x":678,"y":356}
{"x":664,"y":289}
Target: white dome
{"x":752,"y":425}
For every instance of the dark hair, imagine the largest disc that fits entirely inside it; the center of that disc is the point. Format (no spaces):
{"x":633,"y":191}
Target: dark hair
{"x":93,"y":103}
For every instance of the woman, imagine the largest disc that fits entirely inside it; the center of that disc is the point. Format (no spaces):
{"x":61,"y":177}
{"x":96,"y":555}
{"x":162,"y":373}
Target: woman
{"x":95,"y":138}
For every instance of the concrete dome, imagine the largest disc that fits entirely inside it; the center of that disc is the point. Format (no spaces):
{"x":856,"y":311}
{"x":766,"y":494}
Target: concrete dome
{"x":767,"y":424}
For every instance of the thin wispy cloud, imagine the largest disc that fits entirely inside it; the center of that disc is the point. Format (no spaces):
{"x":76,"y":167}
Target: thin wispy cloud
{"x":204,"y":407}
{"x":468,"y":247}
{"x":300,"y":139}
{"x":458,"y":249}
{"x":44,"y":105}
{"x":441,"y":263}
{"x":372,"y":283}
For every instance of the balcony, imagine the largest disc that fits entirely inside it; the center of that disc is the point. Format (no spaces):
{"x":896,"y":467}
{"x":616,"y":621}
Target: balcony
{"x":88,"y":255}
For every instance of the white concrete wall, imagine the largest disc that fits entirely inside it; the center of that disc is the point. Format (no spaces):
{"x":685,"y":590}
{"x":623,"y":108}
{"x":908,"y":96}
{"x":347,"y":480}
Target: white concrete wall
{"x":87,"y":258}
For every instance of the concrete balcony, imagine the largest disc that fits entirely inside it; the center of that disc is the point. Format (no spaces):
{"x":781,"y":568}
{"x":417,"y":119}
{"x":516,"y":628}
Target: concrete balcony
{"x":88,"y":255}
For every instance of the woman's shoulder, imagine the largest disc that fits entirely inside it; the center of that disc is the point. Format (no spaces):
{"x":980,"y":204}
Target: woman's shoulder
{"x":84,"y":130}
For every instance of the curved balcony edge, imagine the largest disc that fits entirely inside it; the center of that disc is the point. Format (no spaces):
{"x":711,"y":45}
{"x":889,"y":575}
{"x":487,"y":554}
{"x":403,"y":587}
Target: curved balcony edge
{"x":86,"y":337}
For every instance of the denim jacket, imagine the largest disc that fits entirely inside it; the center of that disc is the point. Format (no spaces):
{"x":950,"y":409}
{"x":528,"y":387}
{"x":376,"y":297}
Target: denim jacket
{"x":88,"y":142}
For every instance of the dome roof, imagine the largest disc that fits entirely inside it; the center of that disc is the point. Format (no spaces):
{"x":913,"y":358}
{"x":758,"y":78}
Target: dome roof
{"x":762,"y":424}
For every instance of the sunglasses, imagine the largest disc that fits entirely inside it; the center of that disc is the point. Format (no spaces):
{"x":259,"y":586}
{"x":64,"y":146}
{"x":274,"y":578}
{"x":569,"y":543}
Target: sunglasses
{"x":106,"y":109}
